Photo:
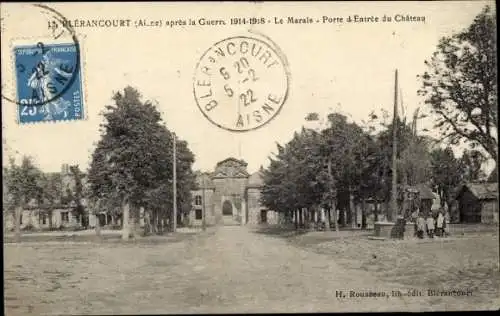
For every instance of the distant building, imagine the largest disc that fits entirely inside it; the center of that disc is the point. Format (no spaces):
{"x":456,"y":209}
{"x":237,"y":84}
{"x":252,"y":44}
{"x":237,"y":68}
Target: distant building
{"x":37,"y":215}
{"x":230,"y":196}
{"x":478,"y":203}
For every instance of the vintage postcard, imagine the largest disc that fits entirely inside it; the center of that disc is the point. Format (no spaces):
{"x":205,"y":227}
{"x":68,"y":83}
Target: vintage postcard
{"x":249,"y":157}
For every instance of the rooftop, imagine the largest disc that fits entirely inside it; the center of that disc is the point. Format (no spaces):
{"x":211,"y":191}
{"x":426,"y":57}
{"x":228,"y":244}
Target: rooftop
{"x":482,"y":191}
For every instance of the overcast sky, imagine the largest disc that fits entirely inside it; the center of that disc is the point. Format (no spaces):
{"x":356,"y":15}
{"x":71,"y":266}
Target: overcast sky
{"x":343,"y":67}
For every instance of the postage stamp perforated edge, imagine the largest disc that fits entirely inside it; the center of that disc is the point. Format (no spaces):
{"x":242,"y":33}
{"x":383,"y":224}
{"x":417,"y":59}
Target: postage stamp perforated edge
{"x":23,"y":41}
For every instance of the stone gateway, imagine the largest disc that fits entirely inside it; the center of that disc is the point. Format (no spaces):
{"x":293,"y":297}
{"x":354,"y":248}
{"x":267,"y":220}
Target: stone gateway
{"x":230,"y":196}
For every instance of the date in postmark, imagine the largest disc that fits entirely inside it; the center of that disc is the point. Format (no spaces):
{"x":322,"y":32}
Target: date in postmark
{"x":241,"y":83}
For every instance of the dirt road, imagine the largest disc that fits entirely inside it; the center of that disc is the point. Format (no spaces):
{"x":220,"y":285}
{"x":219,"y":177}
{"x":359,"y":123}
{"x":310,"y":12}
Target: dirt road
{"x":229,"y":270}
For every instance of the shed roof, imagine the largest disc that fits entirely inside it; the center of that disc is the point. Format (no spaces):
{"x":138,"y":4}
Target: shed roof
{"x":482,"y":191}
{"x":424,"y":190}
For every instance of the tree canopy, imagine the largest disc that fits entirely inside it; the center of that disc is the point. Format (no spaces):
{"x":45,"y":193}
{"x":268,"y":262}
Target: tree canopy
{"x":342,"y":160}
{"x":461,"y":85}
{"x":133,"y":158}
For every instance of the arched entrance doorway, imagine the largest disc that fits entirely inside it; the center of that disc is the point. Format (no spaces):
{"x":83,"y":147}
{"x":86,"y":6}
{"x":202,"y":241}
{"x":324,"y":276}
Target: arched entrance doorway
{"x":228,"y":215}
{"x":227,"y":208}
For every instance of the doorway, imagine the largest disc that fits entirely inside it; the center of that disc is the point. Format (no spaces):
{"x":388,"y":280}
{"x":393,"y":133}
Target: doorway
{"x":227,"y":208}
{"x":228,"y":216}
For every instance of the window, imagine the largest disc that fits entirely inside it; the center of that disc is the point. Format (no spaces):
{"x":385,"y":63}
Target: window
{"x":21,"y":218}
{"x":198,"y":214}
{"x":197,"y":200}
{"x":64,"y":217}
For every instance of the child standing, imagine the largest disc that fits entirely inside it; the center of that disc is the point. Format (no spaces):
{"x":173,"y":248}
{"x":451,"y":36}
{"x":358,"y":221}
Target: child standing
{"x":430,"y":226}
{"x":440,"y":224}
{"x":420,"y":226}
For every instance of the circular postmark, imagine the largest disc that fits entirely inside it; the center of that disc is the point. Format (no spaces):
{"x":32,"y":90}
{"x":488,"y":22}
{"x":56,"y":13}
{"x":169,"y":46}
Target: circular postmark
{"x":241,"y":83}
{"x":45,"y":67}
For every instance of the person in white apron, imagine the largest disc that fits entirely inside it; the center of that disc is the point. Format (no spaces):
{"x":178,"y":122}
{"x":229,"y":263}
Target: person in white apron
{"x":420,"y":226}
{"x":440,"y":224}
{"x":430,"y":226}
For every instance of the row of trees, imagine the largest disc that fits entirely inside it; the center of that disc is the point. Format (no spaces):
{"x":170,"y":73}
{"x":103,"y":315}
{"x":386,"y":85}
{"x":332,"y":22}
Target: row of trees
{"x":131,"y":169}
{"x":25,"y":184}
{"x":343,"y":163}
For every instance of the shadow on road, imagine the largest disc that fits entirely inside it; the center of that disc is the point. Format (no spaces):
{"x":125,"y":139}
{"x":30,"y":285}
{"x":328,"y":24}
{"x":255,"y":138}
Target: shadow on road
{"x":277,"y":231}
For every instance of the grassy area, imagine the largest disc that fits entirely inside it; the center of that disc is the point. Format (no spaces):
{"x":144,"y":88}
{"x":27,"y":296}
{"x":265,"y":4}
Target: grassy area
{"x":469,"y":260}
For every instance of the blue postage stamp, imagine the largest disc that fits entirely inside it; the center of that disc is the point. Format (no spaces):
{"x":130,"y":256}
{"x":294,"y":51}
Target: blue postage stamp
{"x":49,"y":83}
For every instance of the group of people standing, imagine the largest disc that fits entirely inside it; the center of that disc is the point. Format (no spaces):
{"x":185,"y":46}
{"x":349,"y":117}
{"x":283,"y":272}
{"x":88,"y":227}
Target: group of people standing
{"x":431,"y":225}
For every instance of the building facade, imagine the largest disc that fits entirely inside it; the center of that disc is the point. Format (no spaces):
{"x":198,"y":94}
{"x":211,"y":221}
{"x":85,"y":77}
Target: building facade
{"x":43,"y":215}
{"x":230,"y":196}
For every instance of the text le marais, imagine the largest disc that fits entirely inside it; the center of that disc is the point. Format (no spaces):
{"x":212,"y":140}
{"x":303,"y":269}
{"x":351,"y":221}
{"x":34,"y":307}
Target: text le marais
{"x":350,"y":19}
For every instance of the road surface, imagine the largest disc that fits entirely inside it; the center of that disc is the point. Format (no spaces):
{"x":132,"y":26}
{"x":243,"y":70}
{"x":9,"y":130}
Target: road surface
{"x":231,"y":269}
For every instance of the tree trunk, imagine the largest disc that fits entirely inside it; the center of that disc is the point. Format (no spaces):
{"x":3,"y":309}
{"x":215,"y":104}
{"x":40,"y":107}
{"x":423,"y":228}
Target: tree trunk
{"x":363,"y":214}
{"x":97,"y":226}
{"x":147,"y":222}
{"x":353,"y":210}
{"x":125,"y":221}
{"x":17,"y":223}
{"x":51,"y":223}
{"x":315,"y":217}
{"x":334,"y":211}
{"x":154,"y":225}
{"x":160,"y":224}
{"x":341,"y":217}
{"x":294,"y":218}
{"x":349,"y":213}
{"x":136,"y":218}
{"x":327,"y":219}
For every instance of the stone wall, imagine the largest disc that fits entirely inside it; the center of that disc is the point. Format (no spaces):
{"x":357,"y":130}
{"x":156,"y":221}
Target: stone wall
{"x":255,"y":209}
{"x":209,"y":204}
{"x":253,"y":206}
